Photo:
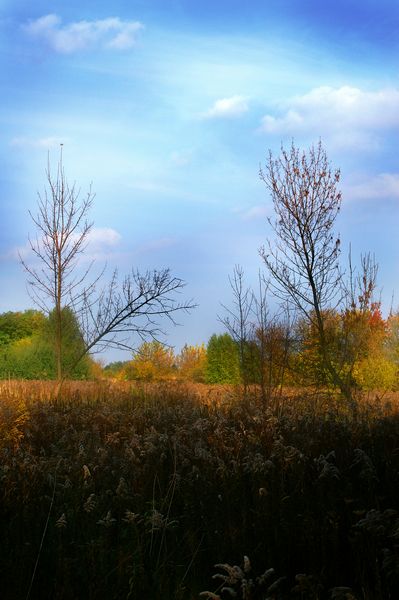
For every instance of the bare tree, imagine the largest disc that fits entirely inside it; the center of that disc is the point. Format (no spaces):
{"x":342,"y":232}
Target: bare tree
{"x":271,"y":333}
{"x":236,"y":320}
{"x":109,"y":316}
{"x":303,"y":260}
{"x":62,"y":232}
{"x":361,"y":287}
{"x":260,"y":310}
{"x":263,"y":339}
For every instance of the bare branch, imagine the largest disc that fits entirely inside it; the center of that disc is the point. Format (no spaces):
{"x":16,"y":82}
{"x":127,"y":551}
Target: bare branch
{"x":116,"y":313}
{"x":303,"y":262}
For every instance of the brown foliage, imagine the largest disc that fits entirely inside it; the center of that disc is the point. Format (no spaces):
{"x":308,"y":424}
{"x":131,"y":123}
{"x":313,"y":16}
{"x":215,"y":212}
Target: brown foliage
{"x":144,"y":486}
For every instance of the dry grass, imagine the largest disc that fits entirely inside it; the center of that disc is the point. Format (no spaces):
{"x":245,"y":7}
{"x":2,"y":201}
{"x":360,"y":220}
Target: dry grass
{"x":110,"y":390}
{"x":120,"y":490}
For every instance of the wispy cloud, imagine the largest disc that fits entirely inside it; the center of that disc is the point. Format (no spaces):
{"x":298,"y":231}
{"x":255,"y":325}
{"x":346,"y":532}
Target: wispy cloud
{"x":260,"y":211}
{"x":103,"y":245}
{"x":232,"y":107}
{"x":17,"y":252}
{"x":381,"y":186}
{"x":111,"y":33}
{"x":45,"y":142}
{"x":348,"y":113}
{"x":101,"y":241}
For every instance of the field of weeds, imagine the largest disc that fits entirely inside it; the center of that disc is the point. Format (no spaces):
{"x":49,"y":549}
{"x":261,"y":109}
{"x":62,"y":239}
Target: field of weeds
{"x":124,"y":491}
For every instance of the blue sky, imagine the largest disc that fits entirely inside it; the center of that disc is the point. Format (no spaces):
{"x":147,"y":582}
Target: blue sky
{"x":169,"y":108}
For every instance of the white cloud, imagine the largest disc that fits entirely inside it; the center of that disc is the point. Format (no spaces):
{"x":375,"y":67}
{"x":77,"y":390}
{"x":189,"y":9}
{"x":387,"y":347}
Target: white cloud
{"x":81,"y":35}
{"x":348,"y":114}
{"x":100,"y":240}
{"x":102,"y":245}
{"x":45,"y":142}
{"x":227,"y":108}
{"x":383,"y":185}
{"x":103,"y":236}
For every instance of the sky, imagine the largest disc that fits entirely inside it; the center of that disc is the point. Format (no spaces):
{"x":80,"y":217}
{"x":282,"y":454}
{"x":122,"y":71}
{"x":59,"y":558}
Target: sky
{"x":169,"y":107}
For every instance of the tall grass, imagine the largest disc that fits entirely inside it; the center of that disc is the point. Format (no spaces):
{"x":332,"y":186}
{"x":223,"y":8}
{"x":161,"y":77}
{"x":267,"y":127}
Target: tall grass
{"x":126,"y":491}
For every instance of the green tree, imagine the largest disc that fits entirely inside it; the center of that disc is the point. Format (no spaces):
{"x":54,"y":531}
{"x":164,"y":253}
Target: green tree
{"x":237,"y":321}
{"x":30,"y":353}
{"x":223,"y":360}
{"x":376,"y":373}
{"x":17,"y":325}
{"x":25,"y":359}
{"x":116,"y":369}
{"x":72,"y":342}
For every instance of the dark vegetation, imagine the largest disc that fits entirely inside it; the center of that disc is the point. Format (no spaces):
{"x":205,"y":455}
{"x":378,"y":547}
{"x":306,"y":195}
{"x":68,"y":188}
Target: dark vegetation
{"x":135,"y":492}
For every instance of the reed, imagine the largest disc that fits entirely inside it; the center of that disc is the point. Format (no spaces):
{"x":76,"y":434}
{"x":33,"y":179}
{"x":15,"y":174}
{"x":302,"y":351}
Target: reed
{"x":120,"y":490}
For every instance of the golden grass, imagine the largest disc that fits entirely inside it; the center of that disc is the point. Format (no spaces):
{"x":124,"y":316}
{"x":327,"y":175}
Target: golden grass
{"x":215,"y":394}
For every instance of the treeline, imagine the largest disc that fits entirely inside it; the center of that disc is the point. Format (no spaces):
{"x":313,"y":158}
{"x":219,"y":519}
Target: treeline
{"x":217,"y":362}
{"x":154,"y":361}
{"x":27,"y":346}
{"x":364,"y":346}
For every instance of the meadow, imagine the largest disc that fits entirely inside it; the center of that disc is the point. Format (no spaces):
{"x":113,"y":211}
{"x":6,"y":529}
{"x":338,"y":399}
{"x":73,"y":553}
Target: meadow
{"x":135,"y":491}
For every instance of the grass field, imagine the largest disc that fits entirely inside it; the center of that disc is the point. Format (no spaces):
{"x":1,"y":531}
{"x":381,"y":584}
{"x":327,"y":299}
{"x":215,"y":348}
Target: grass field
{"x":137,"y":491}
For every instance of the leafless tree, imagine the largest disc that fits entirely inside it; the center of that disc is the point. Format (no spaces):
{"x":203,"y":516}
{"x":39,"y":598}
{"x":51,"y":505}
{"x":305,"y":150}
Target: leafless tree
{"x":237,"y":321}
{"x":361,"y":286}
{"x":62,"y":231}
{"x":120,"y":313}
{"x":272,"y":335}
{"x":303,"y":260}
{"x":263,"y":339}
{"x":261,"y":320}
{"x":109,"y":315}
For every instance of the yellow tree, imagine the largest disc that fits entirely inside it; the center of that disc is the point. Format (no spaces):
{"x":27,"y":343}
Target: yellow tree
{"x":366,"y":332}
{"x":191,"y":363}
{"x":153,"y":361}
{"x":374,"y":368}
{"x":357,"y":339}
